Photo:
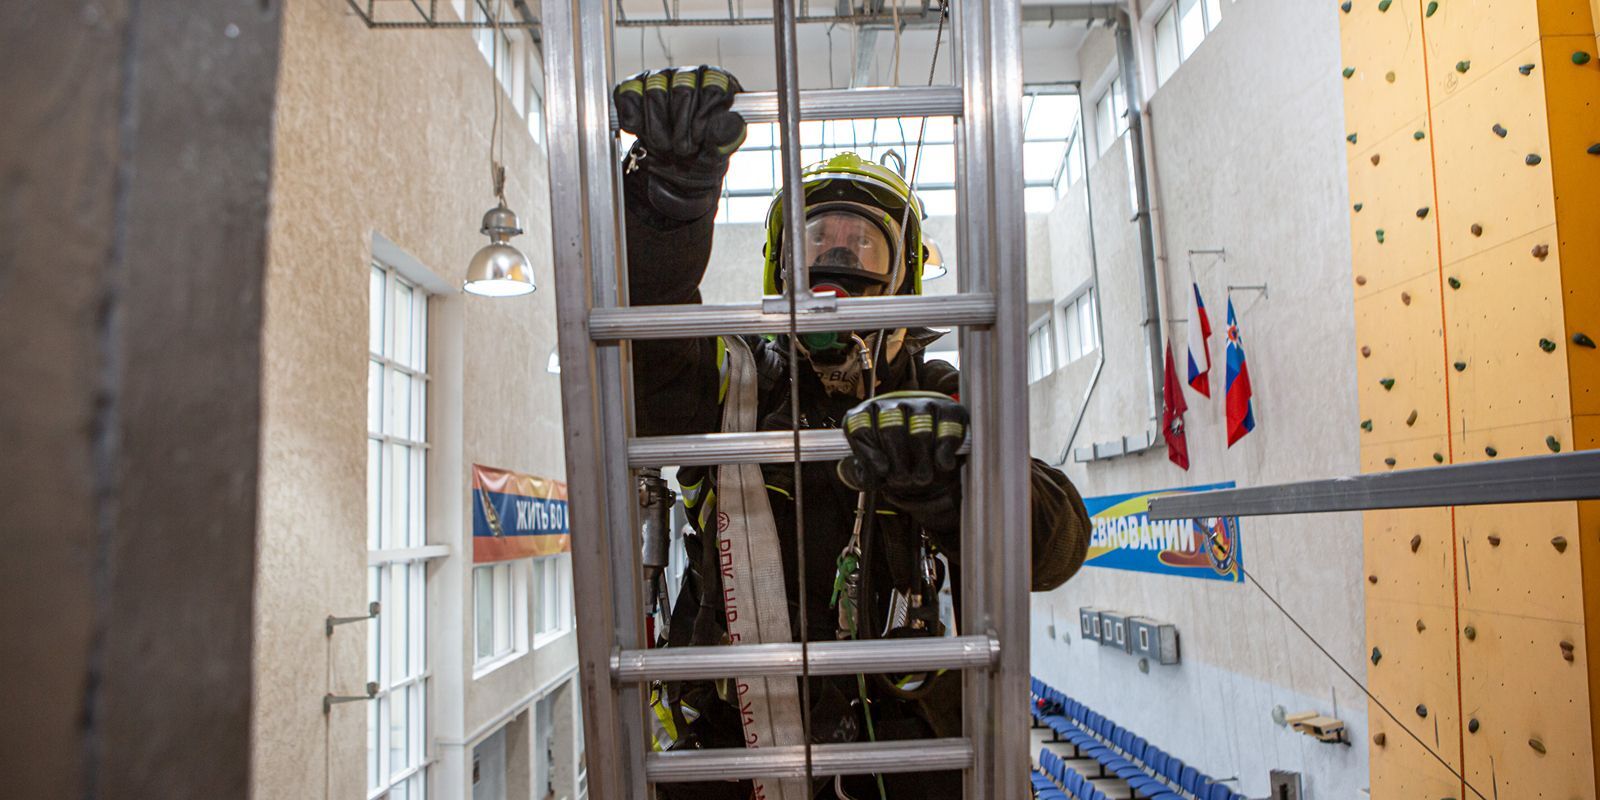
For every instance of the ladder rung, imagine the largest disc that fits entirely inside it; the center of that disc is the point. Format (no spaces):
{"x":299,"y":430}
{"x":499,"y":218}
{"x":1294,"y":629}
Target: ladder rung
{"x":852,"y":314}
{"x":875,"y":103}
{"x":760,"y":447}
{"x":826,"y":658}
{"x":861,"y":758}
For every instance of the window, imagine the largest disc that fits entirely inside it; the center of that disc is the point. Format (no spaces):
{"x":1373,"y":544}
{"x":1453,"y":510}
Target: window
{"x":396,"y":574}
{"x":1110,"y":115}
{"x":534,"y":103}
{"x":499,"y":612}
{"x":1050,"y":131}
{"x":1167,"y":57}
{"x":552,"y":597}
{"x":1078,"y":333}
{"x":1041,"y":351}
{"x":1179,"y":31}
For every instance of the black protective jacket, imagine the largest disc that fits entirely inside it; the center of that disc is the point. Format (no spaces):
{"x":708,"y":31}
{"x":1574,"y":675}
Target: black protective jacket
{"x":677,"y":386}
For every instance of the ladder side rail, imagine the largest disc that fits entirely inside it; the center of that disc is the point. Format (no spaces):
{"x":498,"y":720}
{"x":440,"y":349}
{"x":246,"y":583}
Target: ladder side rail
{"x":611,"y":718}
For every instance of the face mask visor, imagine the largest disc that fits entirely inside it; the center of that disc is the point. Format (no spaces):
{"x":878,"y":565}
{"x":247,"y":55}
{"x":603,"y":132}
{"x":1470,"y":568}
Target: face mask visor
{"x":849,"y":251}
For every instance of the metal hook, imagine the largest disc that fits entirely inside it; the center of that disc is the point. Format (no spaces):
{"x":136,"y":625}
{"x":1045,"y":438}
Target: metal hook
{"x":330,"y":699}
{"x":372,"y":611}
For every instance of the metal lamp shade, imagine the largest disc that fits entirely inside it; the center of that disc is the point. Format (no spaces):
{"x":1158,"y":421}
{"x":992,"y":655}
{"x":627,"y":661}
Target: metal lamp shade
{"x":499,"y":270}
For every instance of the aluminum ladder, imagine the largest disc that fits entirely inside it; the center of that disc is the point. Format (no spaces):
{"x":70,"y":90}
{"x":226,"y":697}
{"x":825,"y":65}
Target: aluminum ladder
{"x":594,"y":321}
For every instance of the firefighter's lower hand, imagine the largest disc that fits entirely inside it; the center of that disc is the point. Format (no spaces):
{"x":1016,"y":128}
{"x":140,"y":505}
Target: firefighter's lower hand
{"x":904,"y":443}
{"x":686,"y":131}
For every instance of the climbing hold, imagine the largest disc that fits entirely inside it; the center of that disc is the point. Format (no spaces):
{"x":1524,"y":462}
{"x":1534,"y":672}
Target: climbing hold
{"x":1533,"y":159}
{"x":1463,"y":66}
{"x":1380,"y":236}
{"x":1438,"y":458}
{"x":1567,"y":651}
{"x":1499,"y":130}
{"x":1455,"y":283}
{"x":1538,"y":746}
{"x":1351,"y":138}
{"x":1388,"y":383}
{"x":1383,"y":5}
{"x":1372,"y":579}
{"x":1579,"y":57}
{"x":1378,"y":738}
{"x":1477,"y":230}
{"x":1594,"y":149}
{"x":1553,"y":443}
{"x":1526,"y":69}
{"x":1357,"y":207}
{"x":1494,"y":540}
{"x":1491,"y":452}
{"x":1419,"y":135}
{"x":1421,"y":626}
{"x":1472,"y":725}
{"x":1361,"y":280}
{"x":1416,"y":542}
{"x":1366,"y":425}
{"x":1366,"y":352}
{"x":1377,"y":655}
{"x":1559,"y":543}
{"x":1389,"y":461}
{"x":1389,"y":76}
{"x":1345,"y":6}
{"x":1460,"y":366}
{"x":1411,"y":420}
{"x":1432,"y":7}
{"x":1540,"y":251}
{"x":1422,"y":710}
{"x":1375,"y":159}
{"x":1405,"y":298}
{"x":1348,"y":71}
{"x":1582,"y":339}
{"x":1422,"y":213}
{"x":1547,"y":345}
{"x":1471,"y":633}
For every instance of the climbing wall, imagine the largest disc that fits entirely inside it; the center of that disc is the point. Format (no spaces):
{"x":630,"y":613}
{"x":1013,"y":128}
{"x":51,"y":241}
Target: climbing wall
{"x":1473,"y":131}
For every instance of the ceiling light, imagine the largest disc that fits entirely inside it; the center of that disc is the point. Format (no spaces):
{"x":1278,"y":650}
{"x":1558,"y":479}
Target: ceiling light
{"x":499,"y":269}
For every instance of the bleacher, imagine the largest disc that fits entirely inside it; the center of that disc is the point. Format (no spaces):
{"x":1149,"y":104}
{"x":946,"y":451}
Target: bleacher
{"x":1109,"y":751}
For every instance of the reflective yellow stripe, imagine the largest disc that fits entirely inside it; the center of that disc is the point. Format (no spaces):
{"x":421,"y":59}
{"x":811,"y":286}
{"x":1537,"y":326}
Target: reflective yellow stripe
{"x":683,"y":79}
{"x":633,"y":86}
{"x":856,"y":421}
{"x":722,"y":370}
{"x":891,"y":418}
{"x":948,"y":428}
{"x":732,"y":146}
{"x":710,"y":503}
{"x":655,"y":82}
{"x":921,"y":423}
{"x":714,"y":77}
{"x":691,"y":493}
{"x":784,"y":492}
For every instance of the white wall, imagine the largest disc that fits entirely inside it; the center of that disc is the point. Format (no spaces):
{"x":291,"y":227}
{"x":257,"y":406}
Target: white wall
{"x":1246,"y":149}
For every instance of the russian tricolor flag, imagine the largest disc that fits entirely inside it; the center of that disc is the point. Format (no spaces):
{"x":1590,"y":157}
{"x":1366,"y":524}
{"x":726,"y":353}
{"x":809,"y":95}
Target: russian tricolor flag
{"x":1241,"y":418}
{"x":1199,"y":344}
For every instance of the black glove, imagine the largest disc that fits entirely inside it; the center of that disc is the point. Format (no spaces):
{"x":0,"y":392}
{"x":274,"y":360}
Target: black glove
{"x":686,"y":133}
{"x":905,"y":443}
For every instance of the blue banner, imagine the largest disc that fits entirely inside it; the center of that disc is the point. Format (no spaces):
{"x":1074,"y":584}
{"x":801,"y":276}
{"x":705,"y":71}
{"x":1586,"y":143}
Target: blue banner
{"x":1126,"y":538}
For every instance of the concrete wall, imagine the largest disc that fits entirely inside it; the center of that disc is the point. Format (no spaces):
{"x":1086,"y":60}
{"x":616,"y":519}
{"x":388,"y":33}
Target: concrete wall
{"x":386,"y":134}
{"x":1244,"y":146}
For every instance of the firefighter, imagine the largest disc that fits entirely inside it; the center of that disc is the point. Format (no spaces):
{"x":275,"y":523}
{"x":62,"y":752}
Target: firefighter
{"x":883,"y":526}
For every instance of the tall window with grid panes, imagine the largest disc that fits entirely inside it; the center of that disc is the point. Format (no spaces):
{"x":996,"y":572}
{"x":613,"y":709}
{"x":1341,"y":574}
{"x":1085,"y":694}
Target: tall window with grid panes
{"x":397,"y":381}
{"x":1179,"y":30}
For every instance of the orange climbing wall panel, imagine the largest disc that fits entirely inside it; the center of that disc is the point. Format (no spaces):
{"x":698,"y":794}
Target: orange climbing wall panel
{"x":1475,"y":224}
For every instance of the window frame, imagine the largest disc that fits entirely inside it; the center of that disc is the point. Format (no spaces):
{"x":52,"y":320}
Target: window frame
{"x":507,"y":614}
{"x":551,"y":580}
{"x":1041,"y":348}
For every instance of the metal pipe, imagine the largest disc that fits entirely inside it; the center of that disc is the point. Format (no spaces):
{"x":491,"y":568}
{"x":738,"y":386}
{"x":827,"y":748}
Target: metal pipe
{"x":1141,"y":182}
{"x":873,"y":103}
{"x":1534,"y":479}
{"x":920,"y":755}
{"x":797,"y":281}
{"x":1032,"y":16}
{"x":1094,"y":283}
{"x":851,"y":313}
{"x":755,"y":447}
{"x":827,"y":658}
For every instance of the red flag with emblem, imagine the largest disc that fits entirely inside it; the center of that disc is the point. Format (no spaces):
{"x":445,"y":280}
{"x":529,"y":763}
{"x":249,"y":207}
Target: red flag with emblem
{"x":1172,"y":415}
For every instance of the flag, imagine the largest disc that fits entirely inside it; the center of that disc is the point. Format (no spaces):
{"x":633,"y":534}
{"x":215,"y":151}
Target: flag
{"x":1241,"y":419}
{"x":1199,"y":344}
{"x":1172,"y":415}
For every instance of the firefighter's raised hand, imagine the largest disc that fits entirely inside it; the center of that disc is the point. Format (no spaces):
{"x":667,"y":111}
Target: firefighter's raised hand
{"x":686,"y":133}
{"x":904,"y":443}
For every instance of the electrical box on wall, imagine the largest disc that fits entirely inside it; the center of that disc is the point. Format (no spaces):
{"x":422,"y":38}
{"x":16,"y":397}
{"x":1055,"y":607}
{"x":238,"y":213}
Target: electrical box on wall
{"x":1155,"y":640}
{"x":1089,"y":624}
{"x":1114,"y":630}
{"x":1285,"y":785}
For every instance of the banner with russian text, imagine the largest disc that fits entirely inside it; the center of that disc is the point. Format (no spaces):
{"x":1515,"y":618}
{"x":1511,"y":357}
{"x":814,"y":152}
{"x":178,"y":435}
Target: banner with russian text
{"x":517,"y":516}
{"x":1126,"y":538}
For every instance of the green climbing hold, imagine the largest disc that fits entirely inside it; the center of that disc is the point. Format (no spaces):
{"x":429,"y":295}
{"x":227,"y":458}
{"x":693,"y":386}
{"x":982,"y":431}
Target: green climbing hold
{"x":1345,"y":6}
{"x":1499,"y":130}
{"x":1432,"y":7}
{"x":1454,"y":284}
{"x":1366,"y":425}
{"x":1388,"y":383}
{"x":1357,"y":207}
{"x":1422,"y":711}
{"x":1377,"y":655}
{"x":1380,"y":236}
{"x":1422,"y":213}
{"x":1594,"y":149}
{"x":1352,"y":138}
{"x":1383,"y":5}
{"x":1348,"y":71}
{"x":1582,"y":339}
{"x":1532,"y":160}
{"x":1553,"y":443}
{"x":1491,"y":452}
{"x":1463,"y":66}
{"x":1547,"y":345}
{"x":1580,"y":58}
{"x":1438,"y":458}
{"x":1472,"y":726}
{"x":1419,"y":136}
{"x":1460,"y":366}
{"x":1526,"y":69}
